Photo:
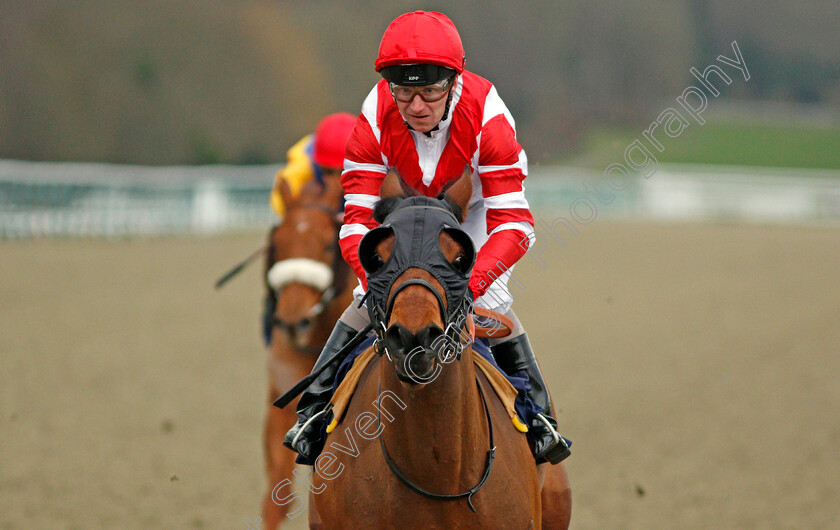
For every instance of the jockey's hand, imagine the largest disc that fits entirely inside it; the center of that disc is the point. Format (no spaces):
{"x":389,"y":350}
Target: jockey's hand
{"x":477,"y":287}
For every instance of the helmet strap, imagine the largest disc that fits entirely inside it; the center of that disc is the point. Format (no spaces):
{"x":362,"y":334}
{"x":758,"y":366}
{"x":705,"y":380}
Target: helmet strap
{"x":448,"y":100}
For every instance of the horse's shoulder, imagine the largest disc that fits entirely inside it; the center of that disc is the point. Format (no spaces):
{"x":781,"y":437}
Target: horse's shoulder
{"x":363,"y":390}
{"x":497,"y":406}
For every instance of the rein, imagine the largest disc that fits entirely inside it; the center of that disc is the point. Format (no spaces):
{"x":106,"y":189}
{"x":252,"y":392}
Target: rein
{"x":488,"y":465}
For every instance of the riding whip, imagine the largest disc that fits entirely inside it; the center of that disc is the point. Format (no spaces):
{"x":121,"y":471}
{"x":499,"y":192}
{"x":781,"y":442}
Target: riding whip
{"x":239,"y":267}
{"x":304,"y":383}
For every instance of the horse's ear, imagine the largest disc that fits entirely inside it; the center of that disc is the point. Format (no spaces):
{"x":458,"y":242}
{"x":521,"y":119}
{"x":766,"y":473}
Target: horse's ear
{"x":332,"y":192}
{"x":391,"y":186}
{"x":461,"y":191}
{"x":286,"y":193}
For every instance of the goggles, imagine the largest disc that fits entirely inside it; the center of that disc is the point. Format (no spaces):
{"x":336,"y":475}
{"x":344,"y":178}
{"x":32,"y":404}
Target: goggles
{"x":428,"y":93}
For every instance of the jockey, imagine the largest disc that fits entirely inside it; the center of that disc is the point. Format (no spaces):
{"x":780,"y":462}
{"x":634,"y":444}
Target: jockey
{"x":429,"y":118}
{"x":316,"y":156}
{"x":319,"y":156}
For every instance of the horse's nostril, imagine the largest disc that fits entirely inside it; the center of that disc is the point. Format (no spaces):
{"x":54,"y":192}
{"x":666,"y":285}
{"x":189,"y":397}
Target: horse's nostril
{"x":428,"y":336}
{"x":400,"y":340}
{"x":397,"y":339}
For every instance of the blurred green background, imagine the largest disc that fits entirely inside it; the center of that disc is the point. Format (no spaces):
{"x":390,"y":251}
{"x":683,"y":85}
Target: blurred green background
{"x":238,"y":81}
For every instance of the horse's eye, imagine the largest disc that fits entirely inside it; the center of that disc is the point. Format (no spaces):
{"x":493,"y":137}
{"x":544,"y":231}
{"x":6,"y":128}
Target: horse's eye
{"x":377,"y":262}
{"x":460,"y":262}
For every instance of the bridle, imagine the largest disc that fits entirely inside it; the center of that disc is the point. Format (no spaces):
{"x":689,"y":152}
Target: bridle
{"x":338,"y":269}
{"x":420,"y":224}
{"x":416,"y":225}
{"x":296,"y":328}
{"x":453,"y":334}
{"x":454,"y":323}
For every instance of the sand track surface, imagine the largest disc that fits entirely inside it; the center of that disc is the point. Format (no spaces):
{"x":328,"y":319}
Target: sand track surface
{"x":696,"y":367}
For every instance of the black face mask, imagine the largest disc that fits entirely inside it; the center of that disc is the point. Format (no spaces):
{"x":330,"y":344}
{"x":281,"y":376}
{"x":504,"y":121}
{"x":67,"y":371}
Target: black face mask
{"x":416,"y":224}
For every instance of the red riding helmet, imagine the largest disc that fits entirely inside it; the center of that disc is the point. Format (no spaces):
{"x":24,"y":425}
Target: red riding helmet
{"x":420,"y":38}
{"x":331,"y":139}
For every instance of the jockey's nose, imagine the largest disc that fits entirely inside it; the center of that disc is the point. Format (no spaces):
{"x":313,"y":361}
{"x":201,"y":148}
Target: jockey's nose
{"x":417,"y":104}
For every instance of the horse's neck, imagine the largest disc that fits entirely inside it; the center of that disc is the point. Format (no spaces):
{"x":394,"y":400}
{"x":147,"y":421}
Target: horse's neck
{"x":443,"y":428}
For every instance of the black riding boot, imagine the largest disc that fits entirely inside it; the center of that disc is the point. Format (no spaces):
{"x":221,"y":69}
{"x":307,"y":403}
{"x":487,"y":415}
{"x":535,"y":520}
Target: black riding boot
{"x":305,"y":436}
{"x":516,"y":355}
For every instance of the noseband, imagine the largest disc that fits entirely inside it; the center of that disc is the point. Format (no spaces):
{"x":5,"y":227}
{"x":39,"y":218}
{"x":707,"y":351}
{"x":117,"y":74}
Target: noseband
{"x":454,"y":326}
{"x":409,"y":283}
{"x":295,"y":328}
{"x":452,"y":343}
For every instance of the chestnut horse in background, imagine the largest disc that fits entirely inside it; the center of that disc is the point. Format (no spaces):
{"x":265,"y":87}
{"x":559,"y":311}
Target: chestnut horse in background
{"x":399,"y":436}
{"x":312,"y":285}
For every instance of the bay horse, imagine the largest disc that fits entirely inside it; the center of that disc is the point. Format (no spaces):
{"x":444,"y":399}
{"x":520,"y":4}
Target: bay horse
{"x":311,"y":284}
{"x":429,"y":452}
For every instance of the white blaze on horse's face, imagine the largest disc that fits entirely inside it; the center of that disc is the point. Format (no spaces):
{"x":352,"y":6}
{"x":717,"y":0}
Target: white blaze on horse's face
{"x":302,"y":227}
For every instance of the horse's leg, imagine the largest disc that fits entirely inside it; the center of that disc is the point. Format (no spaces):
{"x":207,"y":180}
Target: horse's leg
{"x":285,"y":368}
{"x":279,"y":461}
{"x":314,"y":518}
{"x":556,"y":497}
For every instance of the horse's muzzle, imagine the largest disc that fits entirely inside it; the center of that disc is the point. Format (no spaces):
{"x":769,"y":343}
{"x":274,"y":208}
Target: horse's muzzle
{"x":414,"y":354}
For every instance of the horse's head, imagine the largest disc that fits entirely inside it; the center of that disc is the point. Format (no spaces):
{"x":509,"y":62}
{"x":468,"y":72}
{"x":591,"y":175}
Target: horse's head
{"x":418,"y":264}
{"x":303,"y":261}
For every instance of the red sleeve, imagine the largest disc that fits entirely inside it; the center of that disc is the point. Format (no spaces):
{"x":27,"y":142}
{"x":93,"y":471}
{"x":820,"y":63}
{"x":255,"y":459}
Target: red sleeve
{"x":350,"y":250}
{"x":502,"y":166}
{"x":361,"y":180}
{"x":498,"y":254}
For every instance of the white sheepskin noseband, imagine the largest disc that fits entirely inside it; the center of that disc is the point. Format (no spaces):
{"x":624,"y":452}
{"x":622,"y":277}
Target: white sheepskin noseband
{"x":300,"y":270}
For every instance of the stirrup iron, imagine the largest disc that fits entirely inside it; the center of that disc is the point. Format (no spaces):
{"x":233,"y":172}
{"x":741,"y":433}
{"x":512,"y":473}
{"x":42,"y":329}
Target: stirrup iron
{"x":306,"y":425}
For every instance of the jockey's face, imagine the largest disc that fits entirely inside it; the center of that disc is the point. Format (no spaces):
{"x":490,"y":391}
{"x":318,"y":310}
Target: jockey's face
{"x":420,"y":114}
{"x":330,"y":172}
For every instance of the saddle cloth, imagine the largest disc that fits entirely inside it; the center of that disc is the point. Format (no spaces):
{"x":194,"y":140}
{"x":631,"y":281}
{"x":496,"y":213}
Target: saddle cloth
{"x":503,"y":388}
